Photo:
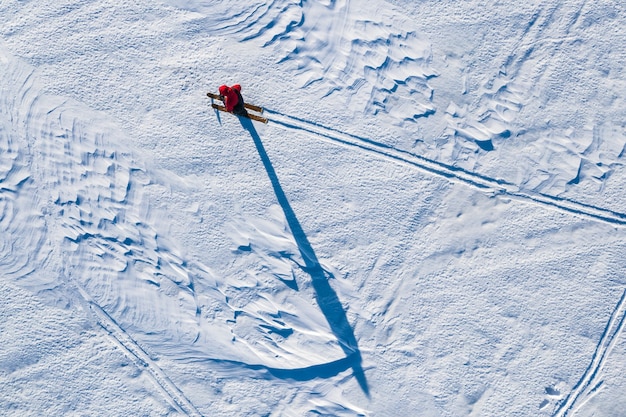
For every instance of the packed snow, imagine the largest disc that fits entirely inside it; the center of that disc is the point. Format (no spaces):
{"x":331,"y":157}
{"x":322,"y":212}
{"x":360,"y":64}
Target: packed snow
{"x":432,"y":222}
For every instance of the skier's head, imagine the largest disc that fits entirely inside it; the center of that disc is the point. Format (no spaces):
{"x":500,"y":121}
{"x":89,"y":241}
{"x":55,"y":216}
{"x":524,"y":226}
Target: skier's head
{"x":223,"y":90}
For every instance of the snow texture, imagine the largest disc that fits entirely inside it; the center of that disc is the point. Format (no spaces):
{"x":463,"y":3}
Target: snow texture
{"x":432,"y":223}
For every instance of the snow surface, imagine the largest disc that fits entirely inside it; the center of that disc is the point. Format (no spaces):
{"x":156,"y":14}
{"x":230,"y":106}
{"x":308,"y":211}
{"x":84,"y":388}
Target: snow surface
{"x":432,"y":223}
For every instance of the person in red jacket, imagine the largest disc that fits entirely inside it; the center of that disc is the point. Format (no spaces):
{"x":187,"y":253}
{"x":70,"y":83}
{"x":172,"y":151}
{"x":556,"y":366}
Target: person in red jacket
{"x":232,"y":99}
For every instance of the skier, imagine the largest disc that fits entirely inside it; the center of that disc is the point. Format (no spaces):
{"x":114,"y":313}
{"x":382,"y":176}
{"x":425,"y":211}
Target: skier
{"x":232,"y":99}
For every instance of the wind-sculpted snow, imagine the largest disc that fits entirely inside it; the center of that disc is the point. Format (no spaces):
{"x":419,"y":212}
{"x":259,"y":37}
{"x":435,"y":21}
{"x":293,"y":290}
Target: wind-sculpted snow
{"x":541,"y":74}
{"x":74,"y":199}
{"x":391,"y":68}
{"x":383,"y":70}
{"x":431,"y":223}
{"x":368,"y":64}
{"x":21,"y":242}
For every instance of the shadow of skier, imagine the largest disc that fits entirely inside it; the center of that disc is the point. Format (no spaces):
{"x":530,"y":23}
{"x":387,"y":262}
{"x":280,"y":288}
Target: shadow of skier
{"x":325,"y":295}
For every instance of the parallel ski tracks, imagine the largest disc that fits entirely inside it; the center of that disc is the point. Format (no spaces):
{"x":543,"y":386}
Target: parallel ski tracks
{"x":140,"y":358}
{"x":452,"y":173}
{"x":591,"y":381}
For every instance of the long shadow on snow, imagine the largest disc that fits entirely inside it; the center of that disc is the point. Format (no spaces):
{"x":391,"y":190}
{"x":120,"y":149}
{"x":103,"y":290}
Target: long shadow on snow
{"x":326,"y":297}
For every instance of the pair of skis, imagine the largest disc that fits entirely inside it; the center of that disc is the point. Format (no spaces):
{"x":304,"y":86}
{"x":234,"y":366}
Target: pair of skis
{"x":252,"y":107}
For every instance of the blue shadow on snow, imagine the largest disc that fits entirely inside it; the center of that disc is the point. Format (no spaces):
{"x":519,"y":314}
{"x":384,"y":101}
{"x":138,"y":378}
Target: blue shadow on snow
{"x":325,"y":295}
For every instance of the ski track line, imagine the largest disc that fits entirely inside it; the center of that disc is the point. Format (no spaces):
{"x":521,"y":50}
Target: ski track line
{"x":589,"y":385}
{"x":142,"y":360}
{"x":450,"y":172}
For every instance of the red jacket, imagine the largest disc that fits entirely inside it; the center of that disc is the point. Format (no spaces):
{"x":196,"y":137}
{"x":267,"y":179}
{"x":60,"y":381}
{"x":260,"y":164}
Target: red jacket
{"x":230,"y":96}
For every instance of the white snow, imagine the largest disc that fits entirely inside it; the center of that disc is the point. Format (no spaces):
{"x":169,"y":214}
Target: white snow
{"x":432,"y":223}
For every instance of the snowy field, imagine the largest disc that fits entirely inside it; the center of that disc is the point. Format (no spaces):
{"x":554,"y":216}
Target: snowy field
{"x":432,"y":222}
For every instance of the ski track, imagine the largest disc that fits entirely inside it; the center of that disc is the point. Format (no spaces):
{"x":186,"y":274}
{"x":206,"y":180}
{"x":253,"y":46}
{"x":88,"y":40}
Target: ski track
{"x":591,"y":382}
{"x":141,"y":359}
{"x":483,"y":183}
